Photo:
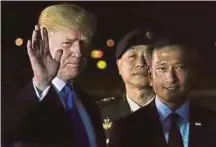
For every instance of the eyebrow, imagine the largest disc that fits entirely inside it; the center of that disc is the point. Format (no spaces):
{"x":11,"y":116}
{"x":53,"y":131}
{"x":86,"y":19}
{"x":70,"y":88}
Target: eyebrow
{"x":73,"y":39}
{"x":160,"y":63}
{"x":69,"y":39}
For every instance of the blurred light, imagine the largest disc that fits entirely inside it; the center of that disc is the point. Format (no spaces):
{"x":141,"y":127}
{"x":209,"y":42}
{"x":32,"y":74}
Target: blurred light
{"x":96,"y":54}
{"x":101,"y":64}
{"x":19,"y":41}
{"x":110,"y":42}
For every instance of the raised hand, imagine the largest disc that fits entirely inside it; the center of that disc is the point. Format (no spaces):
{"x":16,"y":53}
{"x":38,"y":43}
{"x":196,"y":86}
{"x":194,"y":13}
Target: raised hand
{"x":44,"y":66}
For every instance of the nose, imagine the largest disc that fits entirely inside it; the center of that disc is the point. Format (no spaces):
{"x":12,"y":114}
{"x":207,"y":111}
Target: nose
{"x":171,"y":77}
{"x":141,"y":62}
{"x":76,"y":49}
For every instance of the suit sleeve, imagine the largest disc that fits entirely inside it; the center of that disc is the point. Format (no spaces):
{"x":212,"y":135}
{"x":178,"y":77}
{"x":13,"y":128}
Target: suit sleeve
{"x":23,"y":108}
{"x":22,"y":104}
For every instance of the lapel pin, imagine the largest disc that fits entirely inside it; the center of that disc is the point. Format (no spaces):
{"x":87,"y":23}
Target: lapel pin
{"x":198,"y":124}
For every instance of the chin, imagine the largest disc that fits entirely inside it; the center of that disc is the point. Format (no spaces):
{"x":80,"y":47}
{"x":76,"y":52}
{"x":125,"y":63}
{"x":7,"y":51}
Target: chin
{"x":72,"y":70}
{"x":175,"y":97}
{"x":142,"y":84}
{"x":69,"y":74}
{"x":141,"y":80}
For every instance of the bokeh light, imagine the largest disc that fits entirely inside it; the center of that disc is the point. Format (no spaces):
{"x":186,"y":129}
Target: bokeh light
{"x":110,"y":42}
{"x":19,"y":41}
{"x":95,"y":54}
{"x":101,"y":64}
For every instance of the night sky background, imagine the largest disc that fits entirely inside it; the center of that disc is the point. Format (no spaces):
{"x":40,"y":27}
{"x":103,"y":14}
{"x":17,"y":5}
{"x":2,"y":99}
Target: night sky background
{"x":115,"y":19}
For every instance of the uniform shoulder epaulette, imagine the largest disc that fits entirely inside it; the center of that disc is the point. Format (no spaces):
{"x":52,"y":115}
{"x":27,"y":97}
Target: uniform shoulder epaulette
{"x":106,"y":100}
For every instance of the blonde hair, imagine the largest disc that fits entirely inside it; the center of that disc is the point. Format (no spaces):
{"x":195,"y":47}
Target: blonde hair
{"x":67,"y":16}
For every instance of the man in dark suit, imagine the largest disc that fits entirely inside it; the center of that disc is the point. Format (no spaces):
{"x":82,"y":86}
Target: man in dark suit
{"x":132,"y":58}
{"x":170,"y":120}
{"x":51,"y":110}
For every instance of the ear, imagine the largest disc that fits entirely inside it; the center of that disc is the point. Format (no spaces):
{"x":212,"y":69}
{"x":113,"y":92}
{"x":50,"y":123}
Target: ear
{"x":150,"y":76}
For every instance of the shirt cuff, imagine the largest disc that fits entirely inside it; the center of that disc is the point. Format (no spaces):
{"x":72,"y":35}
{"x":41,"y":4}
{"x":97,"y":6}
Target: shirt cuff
{"x":41,"y":94}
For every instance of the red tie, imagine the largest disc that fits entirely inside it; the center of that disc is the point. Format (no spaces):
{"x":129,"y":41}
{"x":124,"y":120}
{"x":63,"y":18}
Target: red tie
{"x":175,"y":138}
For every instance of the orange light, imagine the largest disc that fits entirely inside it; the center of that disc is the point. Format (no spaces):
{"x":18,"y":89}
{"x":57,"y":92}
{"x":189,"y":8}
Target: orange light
{"x":19,"y":41}
{"x":110,"y":42}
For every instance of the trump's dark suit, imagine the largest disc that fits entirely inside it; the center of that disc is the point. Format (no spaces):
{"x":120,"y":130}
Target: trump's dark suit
{"x":46,"y":123}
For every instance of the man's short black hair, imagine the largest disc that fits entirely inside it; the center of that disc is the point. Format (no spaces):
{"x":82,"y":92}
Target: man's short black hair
{"x":182,"y":39}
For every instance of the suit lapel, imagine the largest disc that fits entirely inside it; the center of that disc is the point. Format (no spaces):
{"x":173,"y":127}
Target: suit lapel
{"x":87,"y":104}
{"x":196,"y":127}
{"x":53,"y":102}
{"x":156,"y":126}
{"x":94,"y":116}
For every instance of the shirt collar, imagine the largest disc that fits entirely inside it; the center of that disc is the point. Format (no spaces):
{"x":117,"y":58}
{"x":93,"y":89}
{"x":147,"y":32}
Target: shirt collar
{"x":133,"y":106}
{"x":164,"y":111}
{"x":58,"y":83}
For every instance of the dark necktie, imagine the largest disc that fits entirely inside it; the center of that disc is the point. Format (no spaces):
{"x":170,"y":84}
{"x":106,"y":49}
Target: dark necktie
{"x":80,"y":134}
{"x":175,"y":138}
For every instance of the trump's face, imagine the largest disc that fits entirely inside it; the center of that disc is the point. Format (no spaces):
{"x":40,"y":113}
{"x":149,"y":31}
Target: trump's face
{"x":75,"y":52}
{"x":133,"y":66}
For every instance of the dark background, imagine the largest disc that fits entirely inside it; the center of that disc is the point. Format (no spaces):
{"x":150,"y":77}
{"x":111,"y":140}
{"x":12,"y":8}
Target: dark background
{"x":115,"y":19}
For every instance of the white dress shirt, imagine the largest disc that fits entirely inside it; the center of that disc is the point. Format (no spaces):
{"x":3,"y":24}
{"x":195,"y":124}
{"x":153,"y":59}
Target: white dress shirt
{"x":58,"y":85}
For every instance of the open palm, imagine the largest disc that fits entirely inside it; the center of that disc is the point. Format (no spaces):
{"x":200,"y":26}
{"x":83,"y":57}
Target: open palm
{"x":44,"y":66}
